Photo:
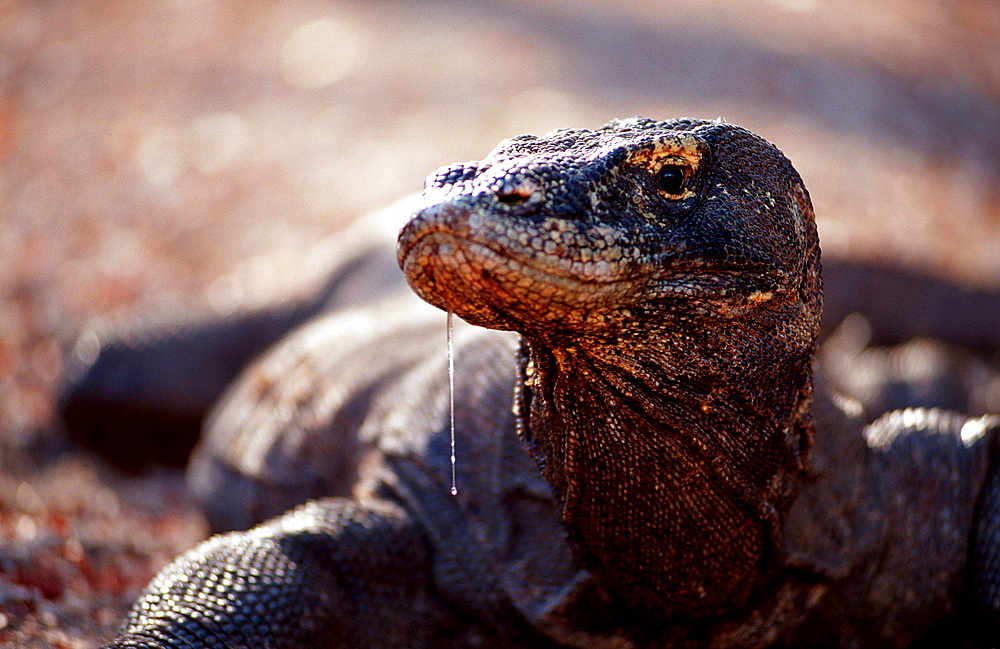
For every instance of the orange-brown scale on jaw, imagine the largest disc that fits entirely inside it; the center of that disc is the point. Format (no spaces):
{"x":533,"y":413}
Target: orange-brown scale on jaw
{"x":496,"y":282}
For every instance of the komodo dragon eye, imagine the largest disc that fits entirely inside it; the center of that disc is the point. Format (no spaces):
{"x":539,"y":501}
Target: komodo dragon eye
{"x":671,"y":179}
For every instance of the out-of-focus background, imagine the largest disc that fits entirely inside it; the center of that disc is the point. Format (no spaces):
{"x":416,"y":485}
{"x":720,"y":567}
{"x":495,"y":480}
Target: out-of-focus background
{"x":182,"y":157}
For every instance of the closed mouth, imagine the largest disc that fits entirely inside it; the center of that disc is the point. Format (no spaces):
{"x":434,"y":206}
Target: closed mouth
{"x":487,"y":283}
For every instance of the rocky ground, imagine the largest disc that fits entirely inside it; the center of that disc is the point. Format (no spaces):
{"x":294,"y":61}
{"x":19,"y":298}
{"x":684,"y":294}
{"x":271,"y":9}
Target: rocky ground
{"x":183,"y":156}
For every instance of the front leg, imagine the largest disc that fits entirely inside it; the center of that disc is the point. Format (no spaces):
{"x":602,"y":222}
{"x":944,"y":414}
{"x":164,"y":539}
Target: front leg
{"x":331,"y":573}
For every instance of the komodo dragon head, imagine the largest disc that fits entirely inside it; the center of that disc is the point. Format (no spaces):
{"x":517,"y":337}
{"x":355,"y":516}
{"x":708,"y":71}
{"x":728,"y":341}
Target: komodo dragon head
{"x":665,"y":278}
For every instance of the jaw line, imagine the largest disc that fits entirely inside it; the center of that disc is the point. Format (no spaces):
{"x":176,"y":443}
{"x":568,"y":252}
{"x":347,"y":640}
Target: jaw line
{"x":495,"y":267}
{"x":505,"y":256}
{"x":535,"y":296}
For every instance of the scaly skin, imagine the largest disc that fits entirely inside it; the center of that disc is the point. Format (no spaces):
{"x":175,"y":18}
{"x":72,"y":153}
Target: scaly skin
{"x":677,"y":482}
{"x":605,"y":284}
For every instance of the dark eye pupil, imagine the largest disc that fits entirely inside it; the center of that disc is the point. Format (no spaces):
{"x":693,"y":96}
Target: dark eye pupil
{"x":671,"y":179}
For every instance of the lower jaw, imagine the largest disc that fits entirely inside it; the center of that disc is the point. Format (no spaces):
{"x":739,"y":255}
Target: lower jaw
{"x":486,"y":288}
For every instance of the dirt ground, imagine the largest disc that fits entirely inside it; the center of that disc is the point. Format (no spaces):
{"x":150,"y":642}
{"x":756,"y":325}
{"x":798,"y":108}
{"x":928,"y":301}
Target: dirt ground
{"x":183,"y":156}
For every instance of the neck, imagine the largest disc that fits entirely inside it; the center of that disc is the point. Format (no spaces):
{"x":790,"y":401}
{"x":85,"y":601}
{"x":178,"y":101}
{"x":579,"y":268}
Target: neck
{"x":674,"y":457}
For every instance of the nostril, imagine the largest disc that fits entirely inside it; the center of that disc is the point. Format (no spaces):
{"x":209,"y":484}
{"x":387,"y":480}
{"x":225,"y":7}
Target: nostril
{"x":517,"y":191}
{"x":513,"y":198}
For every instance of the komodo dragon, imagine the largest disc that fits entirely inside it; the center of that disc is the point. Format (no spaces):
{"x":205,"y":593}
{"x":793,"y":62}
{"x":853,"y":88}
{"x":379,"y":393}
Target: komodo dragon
{"x":647,"y":464}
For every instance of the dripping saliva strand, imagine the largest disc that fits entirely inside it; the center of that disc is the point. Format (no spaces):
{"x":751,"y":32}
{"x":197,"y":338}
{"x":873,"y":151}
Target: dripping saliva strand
{"x":451,"y":400}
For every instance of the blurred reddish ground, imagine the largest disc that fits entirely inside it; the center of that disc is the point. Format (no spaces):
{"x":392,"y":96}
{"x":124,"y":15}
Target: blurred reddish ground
{"x":183,"y":156}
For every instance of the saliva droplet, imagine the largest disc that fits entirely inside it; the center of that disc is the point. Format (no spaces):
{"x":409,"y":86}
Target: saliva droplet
{"x":451,"y":401}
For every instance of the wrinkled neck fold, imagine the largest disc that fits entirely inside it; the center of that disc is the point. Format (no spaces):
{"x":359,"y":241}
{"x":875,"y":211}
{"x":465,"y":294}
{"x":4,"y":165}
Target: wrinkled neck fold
{"x":674,"y":459}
